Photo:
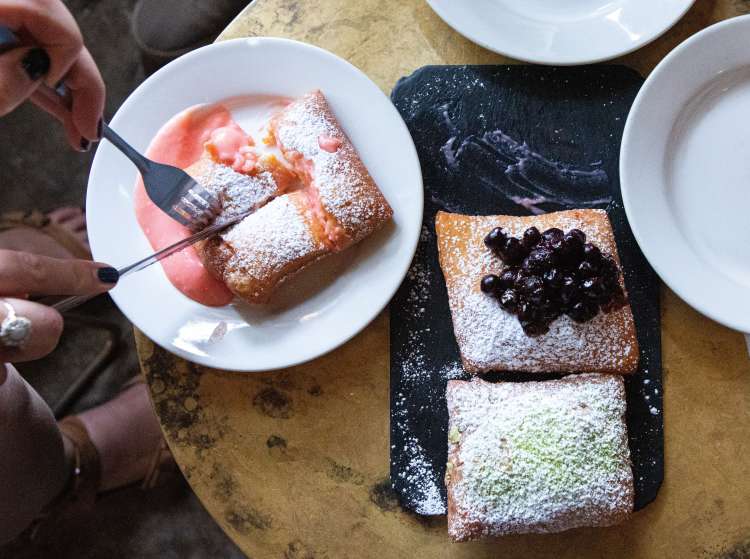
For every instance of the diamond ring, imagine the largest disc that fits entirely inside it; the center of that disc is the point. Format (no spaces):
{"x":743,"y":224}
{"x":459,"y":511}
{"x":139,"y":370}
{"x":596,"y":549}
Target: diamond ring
{"x":14,"y":329}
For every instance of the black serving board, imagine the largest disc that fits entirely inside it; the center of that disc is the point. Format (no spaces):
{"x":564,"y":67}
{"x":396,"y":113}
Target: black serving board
{"x":510,"y":140}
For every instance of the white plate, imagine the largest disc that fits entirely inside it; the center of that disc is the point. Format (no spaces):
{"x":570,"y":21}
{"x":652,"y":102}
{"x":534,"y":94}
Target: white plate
{"x":555,"y":32}
{"x":685,"y":171}
{"x":324,"y":307}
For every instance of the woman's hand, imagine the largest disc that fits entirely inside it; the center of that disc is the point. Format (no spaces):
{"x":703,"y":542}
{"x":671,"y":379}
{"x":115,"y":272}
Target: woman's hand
{"x":50,"y":49}
{"x":25,"y":275}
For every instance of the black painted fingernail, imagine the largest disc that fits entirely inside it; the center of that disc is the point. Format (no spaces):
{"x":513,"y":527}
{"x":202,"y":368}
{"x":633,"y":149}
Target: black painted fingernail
{"x":85,"y":144}
{"x":99,"y":130}
{"x":108,"y":275}
{"x":36,"y":63}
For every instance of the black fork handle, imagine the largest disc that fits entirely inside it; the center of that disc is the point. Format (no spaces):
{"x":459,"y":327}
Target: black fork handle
{"x":62,"y":96}
{"x":143,"y":164}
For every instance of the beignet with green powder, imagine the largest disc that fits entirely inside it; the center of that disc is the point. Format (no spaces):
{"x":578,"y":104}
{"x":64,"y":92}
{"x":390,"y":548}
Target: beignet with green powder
{"x":537,"y":456}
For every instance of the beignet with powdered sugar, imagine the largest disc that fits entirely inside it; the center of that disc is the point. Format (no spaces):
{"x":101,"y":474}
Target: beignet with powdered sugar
{"x":537,"y":456}
{"x":490,"y":337}
{"x":329,"y":203}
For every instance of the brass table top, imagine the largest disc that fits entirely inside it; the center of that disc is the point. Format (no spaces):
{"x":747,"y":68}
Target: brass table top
{"x":295,"y":463}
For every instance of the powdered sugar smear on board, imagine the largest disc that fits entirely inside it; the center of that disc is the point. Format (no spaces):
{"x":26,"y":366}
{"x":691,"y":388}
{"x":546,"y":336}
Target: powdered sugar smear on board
{"x":421,"y":475}
{"x":418,"y":471}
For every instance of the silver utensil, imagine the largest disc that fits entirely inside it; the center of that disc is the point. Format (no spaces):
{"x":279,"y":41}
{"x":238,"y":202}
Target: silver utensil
{"x":69,"y":303}
{"x":177,"y":194}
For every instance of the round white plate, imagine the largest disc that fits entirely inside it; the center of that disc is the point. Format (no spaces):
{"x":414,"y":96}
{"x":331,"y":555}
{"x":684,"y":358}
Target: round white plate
{"x":324,"y":306}
{"x":685,"y":171}
{"x":555,"y":32}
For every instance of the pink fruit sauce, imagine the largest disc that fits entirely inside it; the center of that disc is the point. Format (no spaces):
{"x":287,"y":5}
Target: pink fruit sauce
{"x":180,"y":143}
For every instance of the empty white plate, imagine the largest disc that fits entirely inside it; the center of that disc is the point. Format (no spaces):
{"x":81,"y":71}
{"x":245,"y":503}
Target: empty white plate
{"x":324,"y":306}
{"x":554,"y":32}
{"x":685,"y":171}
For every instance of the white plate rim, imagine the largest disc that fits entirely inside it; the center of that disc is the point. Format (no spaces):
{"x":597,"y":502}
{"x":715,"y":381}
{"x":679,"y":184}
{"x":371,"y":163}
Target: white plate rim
{"x":667,"y":271}
{"x":359,"y":324}
{"x":509,"y":50}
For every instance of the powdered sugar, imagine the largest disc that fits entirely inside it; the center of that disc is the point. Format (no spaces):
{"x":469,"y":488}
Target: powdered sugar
{"x":279,"y":239}
{"x":537,"y":456}
{"x":492,"y":339}
{"x":265,"y":242}
{"x":238,"y":192}
{"x":420,"y":475}
{"x":421,"y":276}
{"x":452,"y":371}
{"x":346,"y":190}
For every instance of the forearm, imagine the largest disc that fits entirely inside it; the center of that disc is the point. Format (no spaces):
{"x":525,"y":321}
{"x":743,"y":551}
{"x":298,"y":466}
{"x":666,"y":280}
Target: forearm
{"x":32,"y":459}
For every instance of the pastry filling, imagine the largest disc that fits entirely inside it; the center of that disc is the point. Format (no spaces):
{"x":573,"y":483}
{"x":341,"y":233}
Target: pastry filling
{"x":550,"y":274}
{"x":325,"y":225}
{"x":231,"y":146}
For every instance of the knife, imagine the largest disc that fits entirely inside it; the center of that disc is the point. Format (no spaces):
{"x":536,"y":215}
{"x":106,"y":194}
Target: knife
{"x":69,"y":303}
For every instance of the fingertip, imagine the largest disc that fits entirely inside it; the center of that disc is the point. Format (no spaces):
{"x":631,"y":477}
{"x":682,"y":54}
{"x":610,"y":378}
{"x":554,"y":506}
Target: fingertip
{"x":75,"y":137}
{"x":56,"y":324}
{"x":89,"y":93}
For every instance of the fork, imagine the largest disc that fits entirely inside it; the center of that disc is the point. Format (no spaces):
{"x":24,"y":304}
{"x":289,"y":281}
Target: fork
{"x":174,"y":191}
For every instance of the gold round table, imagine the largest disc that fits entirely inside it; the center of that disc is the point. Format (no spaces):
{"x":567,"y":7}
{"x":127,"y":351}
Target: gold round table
{"x":294,"y":464}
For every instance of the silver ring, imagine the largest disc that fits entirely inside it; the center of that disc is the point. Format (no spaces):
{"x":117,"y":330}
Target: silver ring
{"x":14,"y":329}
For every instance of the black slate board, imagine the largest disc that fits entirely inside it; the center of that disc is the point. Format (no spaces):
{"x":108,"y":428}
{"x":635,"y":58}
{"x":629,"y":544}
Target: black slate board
{"x":488,"y":136}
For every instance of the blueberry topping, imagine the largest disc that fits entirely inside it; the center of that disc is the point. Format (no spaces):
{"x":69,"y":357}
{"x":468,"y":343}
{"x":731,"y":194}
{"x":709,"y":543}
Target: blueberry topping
{"x":550,"y":274}
{"x":528,"y":284}
{"x":593,"y":288}
{"x":539,"y":260}
{"x":583,"y":311}
{"x":578,"y":233}
{"x":490,"y":284}
{"x":495,"y":239}
{"x":553,"y":278}
{"x":551,"y":309}
{"x":534,"y":328}
{"x":591,"y":253}
{"x":513,"y":252}
{"x":610,"y":272}
{"x":569,"y":296}
{"x":553,"y":235}
{"x":586,"y":269}
{"x":616,"y":301}
{"x":572,"y":248}
{"x":527,"y":311}
{"x":531,"y":237}
{"x":508,"y":277}
{"x":537,"y":296}
{"x":605,"y":299}
{"x":509,"y":299}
